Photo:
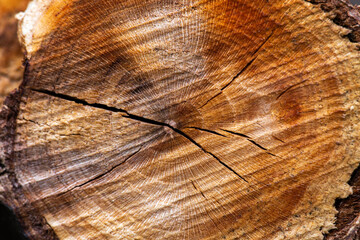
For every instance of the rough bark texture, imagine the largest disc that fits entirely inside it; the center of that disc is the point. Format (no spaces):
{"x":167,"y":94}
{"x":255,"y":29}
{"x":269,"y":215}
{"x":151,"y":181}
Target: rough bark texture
{"x":192,"y":120}
{"x":348,"y":218}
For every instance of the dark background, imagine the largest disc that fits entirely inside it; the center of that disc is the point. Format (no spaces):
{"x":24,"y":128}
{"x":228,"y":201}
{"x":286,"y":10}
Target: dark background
{"x":357,"y":2}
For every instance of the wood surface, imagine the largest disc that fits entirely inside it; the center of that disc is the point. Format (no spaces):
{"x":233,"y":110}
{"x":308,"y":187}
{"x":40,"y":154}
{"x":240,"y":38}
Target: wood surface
{"x":11,"y":56}
{"x":348,"y":217}
{"x":180,"y":120}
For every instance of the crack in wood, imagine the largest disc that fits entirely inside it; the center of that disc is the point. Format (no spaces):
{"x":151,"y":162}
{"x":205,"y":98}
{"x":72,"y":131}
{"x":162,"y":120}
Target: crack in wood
{"x":239,"y":73}
{"x":32,"y":121}
{"x":250,"y":62}
{"x":242,"y":70}
{"x":252,"y":141}
{"x":80,"y":101}
{"x":202,"y":194}
{"x":207,"y":213}
{"x":278,"y":139}
{"x":138,"y":118}
{"x":210,"y":100}
{"x":236,"y":133}
{"x":104,"y":173}
{"x":258,"y":145}
{"x":266,"y":40}
{"x":8,"y":117}
{"x":209,"y":153}
{"x":207,"y":130}
{"x":287,"y":89}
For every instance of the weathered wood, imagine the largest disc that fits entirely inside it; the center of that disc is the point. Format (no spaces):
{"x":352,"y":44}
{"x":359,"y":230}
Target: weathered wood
{"x":348,"y":217}
{"x":181,"y":120}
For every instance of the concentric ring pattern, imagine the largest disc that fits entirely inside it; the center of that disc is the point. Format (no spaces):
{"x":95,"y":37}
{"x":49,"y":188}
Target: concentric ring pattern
{"x":181,"y":119}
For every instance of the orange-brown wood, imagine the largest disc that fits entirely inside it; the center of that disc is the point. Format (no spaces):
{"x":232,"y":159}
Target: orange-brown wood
{"x":181,"y":120}
{"x":11,"y":55}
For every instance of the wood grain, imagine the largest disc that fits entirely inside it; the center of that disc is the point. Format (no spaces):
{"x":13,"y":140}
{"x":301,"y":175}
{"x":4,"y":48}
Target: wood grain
{"x":181,"y":120}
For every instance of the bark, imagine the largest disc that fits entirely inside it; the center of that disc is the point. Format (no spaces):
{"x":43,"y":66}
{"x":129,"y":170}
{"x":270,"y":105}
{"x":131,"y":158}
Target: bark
{"x":348,"y":217}
{"x":182,"y":120}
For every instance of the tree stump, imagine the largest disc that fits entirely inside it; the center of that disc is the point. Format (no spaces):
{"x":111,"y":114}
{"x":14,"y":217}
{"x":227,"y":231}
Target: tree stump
{"x":181,"y":120}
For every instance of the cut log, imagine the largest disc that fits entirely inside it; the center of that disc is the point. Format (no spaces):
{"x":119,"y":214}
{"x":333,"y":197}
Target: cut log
{"x":181,"y":120}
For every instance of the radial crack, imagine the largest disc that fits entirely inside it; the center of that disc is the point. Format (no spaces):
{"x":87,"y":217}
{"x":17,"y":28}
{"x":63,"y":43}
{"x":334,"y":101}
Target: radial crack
{"x":278,"y":139}
{"x":138,"y":118}
{"x":104,"y":173}
{"x":242,"y":70}
{"x":80,"y":101}
{"x":207,"y":130}
{"x":239,"y":73}
{"x":210,"y":99}
{"x":202,"y":194}
{"x":250,"y":140}
{"x":258,"y":145}
{"x":283,"y":92}
{"x":250,"y":62}
{"x":266,"y":40}
{"x":209,"y":153}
